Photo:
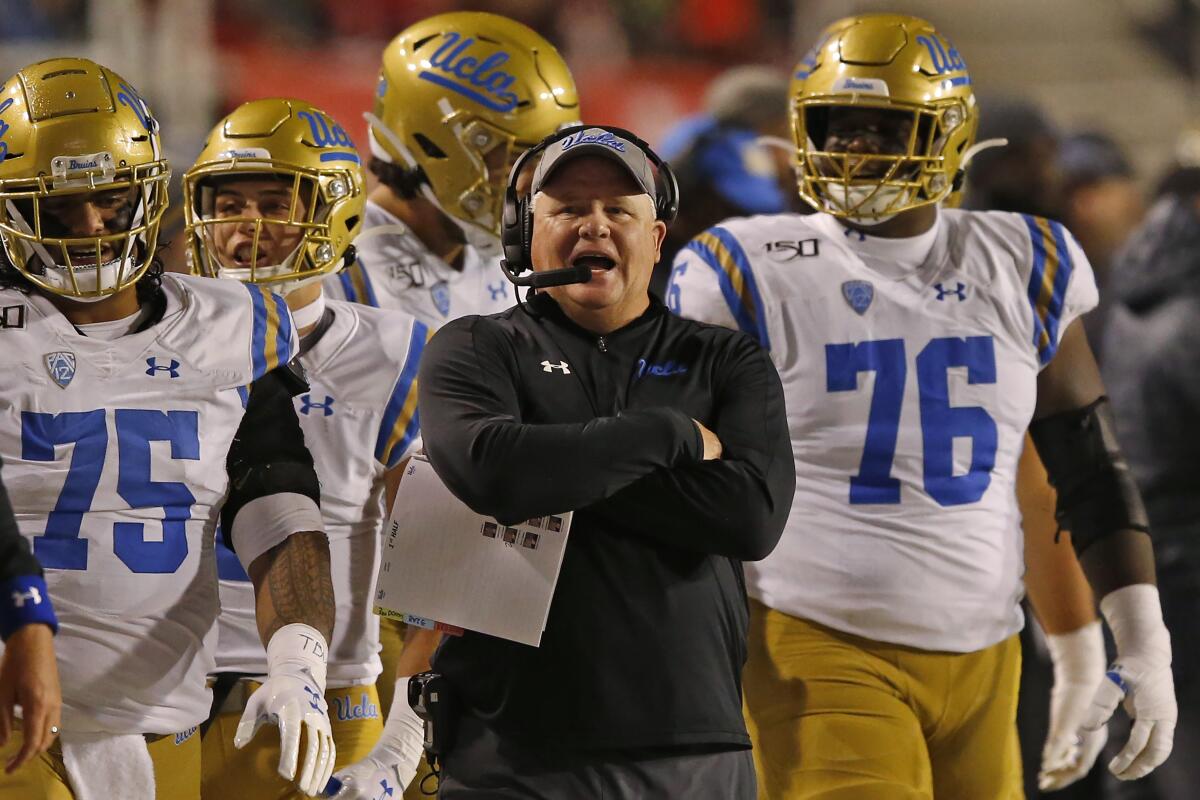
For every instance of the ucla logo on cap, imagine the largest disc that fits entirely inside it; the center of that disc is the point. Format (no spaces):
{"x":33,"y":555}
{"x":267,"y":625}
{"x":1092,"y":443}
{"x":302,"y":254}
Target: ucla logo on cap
{"x":594,"y":137}
{"x":61,"y":366}
{"x":452,"y":67}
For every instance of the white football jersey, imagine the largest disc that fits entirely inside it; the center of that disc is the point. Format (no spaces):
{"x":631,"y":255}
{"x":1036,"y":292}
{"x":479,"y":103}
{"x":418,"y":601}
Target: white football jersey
{"x":360,"y":420}
{"x":908,"y":397}
{"x":395,"y":270}
{"x":114,"y":456}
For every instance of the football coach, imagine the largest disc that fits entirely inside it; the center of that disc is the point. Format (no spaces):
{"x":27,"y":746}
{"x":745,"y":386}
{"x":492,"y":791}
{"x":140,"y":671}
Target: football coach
{"x":668,"y":440}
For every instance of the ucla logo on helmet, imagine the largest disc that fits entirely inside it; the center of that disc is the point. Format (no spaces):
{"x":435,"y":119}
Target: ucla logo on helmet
{"x":4,"y":128}
{"x":328,"y":134}
{"x":129,"y":97}
{"x":945,"y":61}
{"x":454,"y":68}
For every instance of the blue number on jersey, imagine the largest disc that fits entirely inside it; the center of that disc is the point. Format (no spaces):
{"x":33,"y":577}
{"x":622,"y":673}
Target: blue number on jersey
{"x":884,"y":357}
{"x":61,"y":546}
{"x":941,"y":422}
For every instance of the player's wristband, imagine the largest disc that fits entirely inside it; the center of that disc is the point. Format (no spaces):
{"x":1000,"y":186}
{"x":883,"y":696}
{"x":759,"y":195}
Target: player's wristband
{"x":297,"y":649}
{"x":24,"y":600}
{"x":1078,"y":656}
{"x":1134,"y":616}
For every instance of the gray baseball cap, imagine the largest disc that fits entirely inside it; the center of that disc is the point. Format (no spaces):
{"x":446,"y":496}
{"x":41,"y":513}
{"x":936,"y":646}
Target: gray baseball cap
{"x":596,"y":142}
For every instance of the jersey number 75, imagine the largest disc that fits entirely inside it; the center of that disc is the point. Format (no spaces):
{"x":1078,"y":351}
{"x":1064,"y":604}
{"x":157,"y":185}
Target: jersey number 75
{"x":61,"y":547}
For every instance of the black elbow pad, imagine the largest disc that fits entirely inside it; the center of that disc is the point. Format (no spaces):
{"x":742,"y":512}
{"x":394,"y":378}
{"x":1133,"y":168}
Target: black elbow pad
{"x":1097,"y":495}
{"x":268,"y":455}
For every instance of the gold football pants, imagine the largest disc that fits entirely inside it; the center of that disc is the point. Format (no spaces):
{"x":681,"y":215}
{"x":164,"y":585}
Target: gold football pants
{"x":839,"y":717}
{"x":176,"y":759}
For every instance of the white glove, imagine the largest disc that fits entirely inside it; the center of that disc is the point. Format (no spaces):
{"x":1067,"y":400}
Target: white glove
{"x":293,"y":697}
{"x":1079,"y":661}
{"x":1142,"y":676}
{"x":393,"y":761}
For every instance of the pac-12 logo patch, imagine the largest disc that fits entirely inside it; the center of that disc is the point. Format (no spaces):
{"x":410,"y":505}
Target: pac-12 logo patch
{"x":859,"y":295}
{"x":61,"y":366}
{"x":440,"y":292}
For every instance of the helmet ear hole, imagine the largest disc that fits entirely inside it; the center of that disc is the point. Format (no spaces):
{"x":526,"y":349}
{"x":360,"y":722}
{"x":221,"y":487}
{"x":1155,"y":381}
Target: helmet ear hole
{"x":431,"y":149}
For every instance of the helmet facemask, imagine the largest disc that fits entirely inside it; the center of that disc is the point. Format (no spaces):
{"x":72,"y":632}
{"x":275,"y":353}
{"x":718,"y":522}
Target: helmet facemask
{"x":87,"y":231}
{"x":903,"y":167}
{"x":283,"y":242}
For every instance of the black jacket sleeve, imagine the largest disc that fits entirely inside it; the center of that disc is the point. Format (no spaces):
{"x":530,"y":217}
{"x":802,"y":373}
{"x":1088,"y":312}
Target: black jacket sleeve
{"x":737,"y":506}
{"x":500,"y":466}
{"x":15,"y":556}
{"x":268,"y":454}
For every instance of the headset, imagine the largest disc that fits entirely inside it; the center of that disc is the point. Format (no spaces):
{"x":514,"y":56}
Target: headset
{"x":516,"y":225}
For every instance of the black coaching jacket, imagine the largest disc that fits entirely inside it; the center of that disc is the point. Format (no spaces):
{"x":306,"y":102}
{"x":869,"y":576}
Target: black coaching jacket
{"x":526,"y":414}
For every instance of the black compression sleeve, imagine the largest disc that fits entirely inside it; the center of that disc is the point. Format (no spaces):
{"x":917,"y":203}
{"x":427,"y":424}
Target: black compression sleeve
{"x":15,"y":556}
{"x":736,"y":506}
{"x":497,"y":465}
{"x":1097,"y":494}
{"x":268,"y":455}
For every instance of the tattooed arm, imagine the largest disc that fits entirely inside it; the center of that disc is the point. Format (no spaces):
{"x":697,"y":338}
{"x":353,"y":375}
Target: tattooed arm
{"x":273,"y":517}
{"x":292,"y":584}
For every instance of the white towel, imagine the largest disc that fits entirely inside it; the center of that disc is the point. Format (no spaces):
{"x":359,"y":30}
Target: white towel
{"x":101,"y":766}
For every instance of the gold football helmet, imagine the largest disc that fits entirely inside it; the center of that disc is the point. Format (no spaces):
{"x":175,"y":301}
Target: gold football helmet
{"x":460,"y":96}
{"x":896,"y":64}
{"x":275,"y":197}
{"x":83,"y":180}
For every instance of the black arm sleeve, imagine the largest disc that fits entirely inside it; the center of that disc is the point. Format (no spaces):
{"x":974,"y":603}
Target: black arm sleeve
{"x":15,"y":556}
{"x":497,"y":465}
{"x":737,"y":506}
{"x":268,"y":455}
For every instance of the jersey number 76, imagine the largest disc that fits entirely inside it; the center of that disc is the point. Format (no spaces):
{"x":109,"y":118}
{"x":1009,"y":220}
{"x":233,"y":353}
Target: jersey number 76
{"x":941,"y":422}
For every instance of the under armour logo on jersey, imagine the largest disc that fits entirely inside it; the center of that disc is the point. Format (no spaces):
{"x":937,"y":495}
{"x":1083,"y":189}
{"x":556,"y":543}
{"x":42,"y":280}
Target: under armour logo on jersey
{"x":33,"y":596}
{"x":859,"y":295}
{"x":498,"y":291}
{"x":960,"y":292}
{"x":548,"y":367}
{"x":61,"y":366}
{"x":850,"y":232}
{"x":307,"y":405}
{"x":153,"y":367}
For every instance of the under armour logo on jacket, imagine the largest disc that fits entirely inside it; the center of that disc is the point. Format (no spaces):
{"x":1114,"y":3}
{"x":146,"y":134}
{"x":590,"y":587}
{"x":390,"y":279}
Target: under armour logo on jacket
{"x":548,"y":367}
{"x":960,"y":291}
{"x":153,"y":367}
{"x":499,"y":292}
{"x":33,"y":596}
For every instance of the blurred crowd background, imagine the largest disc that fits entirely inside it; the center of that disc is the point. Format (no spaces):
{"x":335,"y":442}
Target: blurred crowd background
{"x":1097,"y":99}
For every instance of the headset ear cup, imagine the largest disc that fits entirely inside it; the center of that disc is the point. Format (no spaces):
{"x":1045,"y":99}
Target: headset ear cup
{"x":511,"y":235}
{"x":667,"y":204}
{"x":525,"y":212}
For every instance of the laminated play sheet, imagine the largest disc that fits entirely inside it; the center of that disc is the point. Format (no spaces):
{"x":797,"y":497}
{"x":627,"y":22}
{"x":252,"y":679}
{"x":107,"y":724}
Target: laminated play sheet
{"x":445,"y":567}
